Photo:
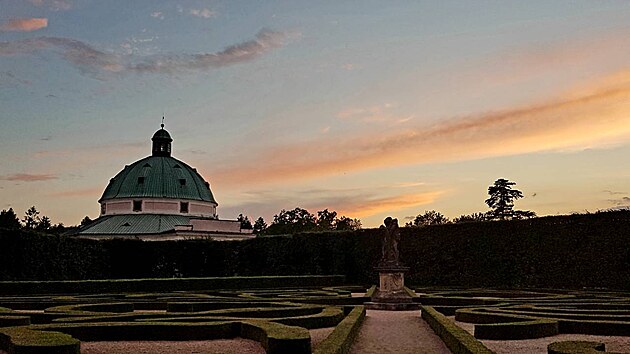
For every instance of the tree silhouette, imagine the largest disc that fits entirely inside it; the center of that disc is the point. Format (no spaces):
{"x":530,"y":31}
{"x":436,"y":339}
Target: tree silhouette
{"x":474,"y":217}
{"x":31,"y":218}
{"x":292,"y":221}
{"x":300,"y":220}
{"x":430,"y":217}
{"x":345,"y":223}
{"x":44,"y":224}
{"x":86,"y":221}
{"x":326,"y":220}
{"x":260,"y":226}
{"x":501,"y":201}
{"x":245,"y":223}
{"x":9,"y":220}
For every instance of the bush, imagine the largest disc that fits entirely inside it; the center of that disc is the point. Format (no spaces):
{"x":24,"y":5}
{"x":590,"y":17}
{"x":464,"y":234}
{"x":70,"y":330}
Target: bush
{"x":277,"y":338}
{"x":341,"y":339}
{"x":21,"y":340}
{"x":456,"y":339}
{"x":517,"y":330}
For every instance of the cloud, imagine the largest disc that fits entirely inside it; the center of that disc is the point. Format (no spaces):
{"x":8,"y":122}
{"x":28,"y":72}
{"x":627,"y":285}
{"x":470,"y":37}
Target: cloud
{"x":158,"y":15}
{"x":614,"y":192}
{"x":264,"y":42}
{"x":94,"y":191}
{"x":9,"y":79}
{"x":27,"y":177}
{"x":620,"y":201}
{"x":91,"y":60}
{"x":598,"y":117}
{"x":82,"y":55}
{"x":24,"y":24}
{"x":383,"y":113}
{"x":55,"y":5}
{"x":203,"y":13}
{"x":369,"y":207}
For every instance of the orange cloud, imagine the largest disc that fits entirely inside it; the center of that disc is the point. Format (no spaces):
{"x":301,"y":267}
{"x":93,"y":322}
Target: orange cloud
{"x":94,"y":191}
{"x":364,"y":208}
{"x":599,"y":116}
{"x":27,"y":177}
{"x":24,"y":24}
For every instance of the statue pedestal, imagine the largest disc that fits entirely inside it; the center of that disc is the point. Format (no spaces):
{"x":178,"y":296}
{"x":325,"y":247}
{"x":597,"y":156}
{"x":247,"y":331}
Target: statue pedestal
{"x":391,"y":294}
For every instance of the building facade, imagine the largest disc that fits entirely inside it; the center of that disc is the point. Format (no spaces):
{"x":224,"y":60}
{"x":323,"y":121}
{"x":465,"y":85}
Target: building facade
{"x":160,"y":198}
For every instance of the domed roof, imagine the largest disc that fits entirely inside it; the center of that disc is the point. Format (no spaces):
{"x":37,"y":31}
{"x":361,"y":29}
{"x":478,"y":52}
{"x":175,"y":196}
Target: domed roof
{"x":158,"y":177}
{"x":162,"y":135}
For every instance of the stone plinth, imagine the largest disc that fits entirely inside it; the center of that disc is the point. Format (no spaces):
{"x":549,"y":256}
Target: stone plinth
{"x":391,"y":294}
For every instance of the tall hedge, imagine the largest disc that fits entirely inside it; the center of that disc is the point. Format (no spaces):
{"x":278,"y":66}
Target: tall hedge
{"x":563,"y":251}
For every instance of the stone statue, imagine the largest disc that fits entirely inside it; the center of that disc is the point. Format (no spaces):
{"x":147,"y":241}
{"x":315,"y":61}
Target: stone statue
{"x":391,"y":237}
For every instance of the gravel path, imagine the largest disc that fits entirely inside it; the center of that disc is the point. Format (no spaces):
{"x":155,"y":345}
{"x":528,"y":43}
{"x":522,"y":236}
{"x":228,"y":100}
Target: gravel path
{"x":223,"y":346}
{"x":401,"y":332}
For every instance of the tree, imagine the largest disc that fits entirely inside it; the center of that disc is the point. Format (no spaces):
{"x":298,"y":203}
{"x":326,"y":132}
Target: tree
{"x":430,"y":217}
{"x":245,"y":223}
{"x":501,"y":201}
{"x":9,"y":220}
{"x":260,"y":226}
{"x":57,"y":229}
{"x":345,"y":223}
{"x":474,"y":217}
{"x":292,"y":221}
{"x":300,"y":220}
{"x":326,"y":220}
{"x":86,"y":221}
{"x":31,"y":218}
{"x":43,"y":224}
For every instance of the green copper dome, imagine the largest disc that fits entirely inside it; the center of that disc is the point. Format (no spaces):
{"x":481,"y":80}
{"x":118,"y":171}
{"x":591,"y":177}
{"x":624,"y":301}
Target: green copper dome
{"x":159,"y":176}
{"x":162,"y":134}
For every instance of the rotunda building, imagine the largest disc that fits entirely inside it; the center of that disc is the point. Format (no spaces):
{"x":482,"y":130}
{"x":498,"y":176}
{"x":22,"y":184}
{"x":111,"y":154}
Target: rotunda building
{"x":160,"y":198}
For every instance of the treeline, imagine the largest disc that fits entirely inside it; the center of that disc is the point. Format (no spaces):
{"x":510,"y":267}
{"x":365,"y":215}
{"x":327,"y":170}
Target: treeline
{"x":32,"y":220}
{"x":572,"y":251}
{"x":300,"y":220}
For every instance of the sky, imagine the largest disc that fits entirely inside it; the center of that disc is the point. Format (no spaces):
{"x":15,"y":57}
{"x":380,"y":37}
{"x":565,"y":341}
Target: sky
{"x":369,"y":108}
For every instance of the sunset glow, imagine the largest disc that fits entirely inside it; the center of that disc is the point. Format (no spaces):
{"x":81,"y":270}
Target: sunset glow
{"x":369,"y":109}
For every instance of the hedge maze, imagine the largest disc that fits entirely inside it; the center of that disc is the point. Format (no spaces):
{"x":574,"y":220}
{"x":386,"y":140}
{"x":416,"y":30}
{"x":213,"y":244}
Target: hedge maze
{"x":34,"y":321}
{"x":515,"y":315}
{"x":278,"y":319}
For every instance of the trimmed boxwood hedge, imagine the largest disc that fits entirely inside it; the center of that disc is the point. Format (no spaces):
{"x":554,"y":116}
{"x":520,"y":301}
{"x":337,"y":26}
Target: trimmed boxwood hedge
{"x":21,"y":340}
{"x":277,"y":338}
{"x":328,"y":317}
{"x":456,"y":339}
{"x":120,"y":331}
{"x":10,"y":321}
{"x":508,"y":320}
{"x":92,"y":309}
{"x":169,"y":284}
{"x":341,"y":339}
{"x":201,"y":306}
{"x":517,"y":330}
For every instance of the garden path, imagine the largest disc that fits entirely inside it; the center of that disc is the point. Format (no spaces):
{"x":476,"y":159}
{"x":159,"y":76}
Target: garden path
{"x":401,"y":332}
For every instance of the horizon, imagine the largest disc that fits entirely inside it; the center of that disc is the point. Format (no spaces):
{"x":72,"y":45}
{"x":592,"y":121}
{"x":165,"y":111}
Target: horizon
{"x":371,"y":110}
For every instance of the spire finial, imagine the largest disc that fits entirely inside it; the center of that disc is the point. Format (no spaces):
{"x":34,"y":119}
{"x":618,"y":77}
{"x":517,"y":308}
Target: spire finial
{"x":162,"y":125}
